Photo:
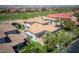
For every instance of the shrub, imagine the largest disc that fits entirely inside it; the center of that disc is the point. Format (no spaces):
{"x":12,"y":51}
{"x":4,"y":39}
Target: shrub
{"x":57,"y":42}
{"x":69,"y":25}
{"x":34,"y":47}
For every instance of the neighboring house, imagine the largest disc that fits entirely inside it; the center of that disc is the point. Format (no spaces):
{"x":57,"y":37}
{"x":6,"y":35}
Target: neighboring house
{"x":50,"y":20}
{"x":13,"y":9}
{"x":61,"y":16}
{"x":36,"y":30}
{"x":2,"y":10}
{"x":23,"y":9}
{"x":17,"y":41}
{"x":11,"y":37}
{"x":8,"y":29}
{"x":6,"y":49}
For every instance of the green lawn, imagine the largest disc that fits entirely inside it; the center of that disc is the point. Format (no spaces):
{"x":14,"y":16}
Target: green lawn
{"x":25,"y":15}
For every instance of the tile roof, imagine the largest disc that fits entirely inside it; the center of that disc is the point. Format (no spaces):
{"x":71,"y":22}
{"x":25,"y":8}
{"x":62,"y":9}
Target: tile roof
{"x":35,"y":28}
{"x":6,"y":49}
{"x":50,"y":28}
{"x":37,"y":20}
{"x":60,"y":15}
{"x":2,"y":35}
{"x":16,"y":39}
{"x":6,"y":27}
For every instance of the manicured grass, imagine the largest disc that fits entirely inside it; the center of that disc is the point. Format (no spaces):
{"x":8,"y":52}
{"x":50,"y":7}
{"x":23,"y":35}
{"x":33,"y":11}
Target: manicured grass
{"x":25,"y":15}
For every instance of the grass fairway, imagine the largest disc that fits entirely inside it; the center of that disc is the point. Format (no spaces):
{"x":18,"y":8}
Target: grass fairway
{"x":23,"y":15}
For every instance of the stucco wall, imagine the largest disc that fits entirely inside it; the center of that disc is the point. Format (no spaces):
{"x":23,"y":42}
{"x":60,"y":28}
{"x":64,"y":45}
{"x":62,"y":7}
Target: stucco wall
{"x":13,"y":32}
{"x":31,"y":35}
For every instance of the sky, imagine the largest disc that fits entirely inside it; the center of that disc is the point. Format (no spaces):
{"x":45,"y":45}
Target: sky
{"x":36,"y":6}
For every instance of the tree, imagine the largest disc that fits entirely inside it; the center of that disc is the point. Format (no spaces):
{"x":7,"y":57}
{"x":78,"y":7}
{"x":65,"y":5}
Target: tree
{"x":68,"y":25}
{"x":18,"y":26}
{"x":48,"y":41}
{"x":34,"y":47}
{"x":76,"y":32}
{"x":77,"y":15}
{"x":57,"y":42}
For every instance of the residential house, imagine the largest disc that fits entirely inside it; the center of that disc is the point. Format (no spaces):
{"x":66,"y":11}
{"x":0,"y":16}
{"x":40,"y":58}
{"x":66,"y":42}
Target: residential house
{"x":17,"y":41}
{"x":10,"y":37}
{"x":36,"y":27}
{"x":6,"y":49}
{"x":50,"y":20}
{"x":63,"y":16}
{"x":31,"y":21}
{"x":8,"y":29}
{"x":36,"y":30}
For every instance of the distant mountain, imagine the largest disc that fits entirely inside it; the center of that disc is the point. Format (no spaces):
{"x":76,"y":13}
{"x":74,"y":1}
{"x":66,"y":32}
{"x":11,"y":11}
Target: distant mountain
{"x":36,"y":6}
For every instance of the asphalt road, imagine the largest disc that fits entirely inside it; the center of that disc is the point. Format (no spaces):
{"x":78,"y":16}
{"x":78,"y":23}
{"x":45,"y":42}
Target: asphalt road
{"x":74,"y":47}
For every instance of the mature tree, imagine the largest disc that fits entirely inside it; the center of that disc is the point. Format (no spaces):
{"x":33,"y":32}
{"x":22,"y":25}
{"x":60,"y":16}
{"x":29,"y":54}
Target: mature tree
{"x":77,"y":15}
{"x":76,"y":32}
{"x":57,"y":42}
{"x":68,"y":24}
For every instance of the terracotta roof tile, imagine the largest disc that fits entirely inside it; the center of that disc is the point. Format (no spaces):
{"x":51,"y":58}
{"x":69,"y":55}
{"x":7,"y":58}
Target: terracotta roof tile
{"x":50,"y":28}
{"x":6,"y":27}
{"x":61,"y":15}
{"x":6,"y":49}
{"x":35,"y":28}
{"x":16,"y":39}
{"x":2,"y":35}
